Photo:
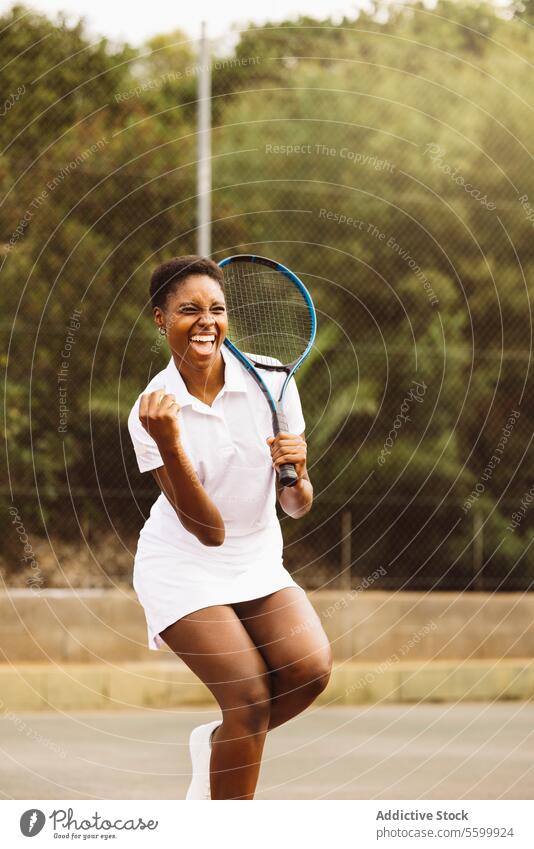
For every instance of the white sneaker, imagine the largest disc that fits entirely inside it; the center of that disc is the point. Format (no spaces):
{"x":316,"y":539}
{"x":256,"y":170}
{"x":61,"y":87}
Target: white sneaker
{"x":200,"y":751}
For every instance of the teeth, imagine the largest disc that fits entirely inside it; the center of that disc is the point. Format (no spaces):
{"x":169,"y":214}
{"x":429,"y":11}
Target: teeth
{"x":202,"y":338}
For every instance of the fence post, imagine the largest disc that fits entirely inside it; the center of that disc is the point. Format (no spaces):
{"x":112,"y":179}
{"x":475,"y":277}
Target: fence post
{"x":478,"y":549}
{"x":346,"y":548}
{"x":204,"y":148}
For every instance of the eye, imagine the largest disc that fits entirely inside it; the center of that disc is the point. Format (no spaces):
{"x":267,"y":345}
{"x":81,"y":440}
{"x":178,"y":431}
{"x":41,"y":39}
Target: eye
{"x":219,"y":308}
{"x":189,"y":308}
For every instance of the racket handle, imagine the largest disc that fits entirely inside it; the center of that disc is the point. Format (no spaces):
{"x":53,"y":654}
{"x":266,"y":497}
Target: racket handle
{"x":287,"y":474}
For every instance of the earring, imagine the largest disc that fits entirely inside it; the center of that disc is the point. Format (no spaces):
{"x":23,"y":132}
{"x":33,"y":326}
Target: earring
{"x":163,"y":331}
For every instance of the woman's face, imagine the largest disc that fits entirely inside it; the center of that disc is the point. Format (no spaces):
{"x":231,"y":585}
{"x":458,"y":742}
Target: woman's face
{"x":195,"y":320}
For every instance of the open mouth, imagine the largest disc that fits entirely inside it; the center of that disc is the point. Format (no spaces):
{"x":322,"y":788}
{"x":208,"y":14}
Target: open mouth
{"x":202,"y":342}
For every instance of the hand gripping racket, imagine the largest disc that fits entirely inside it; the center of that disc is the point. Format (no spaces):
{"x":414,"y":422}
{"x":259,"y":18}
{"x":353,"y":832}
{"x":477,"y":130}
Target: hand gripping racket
{"x":270,"y":316}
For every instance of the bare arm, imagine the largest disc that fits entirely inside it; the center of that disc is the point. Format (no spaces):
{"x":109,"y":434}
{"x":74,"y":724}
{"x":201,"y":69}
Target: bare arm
{"x":177,"y":478}
{"x":296,"y":500}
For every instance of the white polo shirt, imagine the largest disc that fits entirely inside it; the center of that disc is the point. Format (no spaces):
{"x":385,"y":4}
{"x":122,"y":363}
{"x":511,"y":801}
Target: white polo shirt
{"x":175,"y":574}
{"x":227,"y":446}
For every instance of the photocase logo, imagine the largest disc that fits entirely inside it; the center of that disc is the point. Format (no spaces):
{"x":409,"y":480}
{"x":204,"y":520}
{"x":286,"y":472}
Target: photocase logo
{"x":32,"y":822}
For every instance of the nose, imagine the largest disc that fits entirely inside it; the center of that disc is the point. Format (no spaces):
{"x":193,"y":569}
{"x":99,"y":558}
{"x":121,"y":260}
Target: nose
{"x":206,"y":319}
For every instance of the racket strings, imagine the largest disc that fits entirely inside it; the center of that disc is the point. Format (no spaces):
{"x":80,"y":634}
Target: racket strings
{"x":268,"y":317}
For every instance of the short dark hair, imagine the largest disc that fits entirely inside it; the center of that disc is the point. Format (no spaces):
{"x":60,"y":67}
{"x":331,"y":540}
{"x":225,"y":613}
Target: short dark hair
{"x":167,"y":277}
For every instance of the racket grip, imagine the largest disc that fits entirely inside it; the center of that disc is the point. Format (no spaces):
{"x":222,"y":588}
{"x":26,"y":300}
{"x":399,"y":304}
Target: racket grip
{"x":287,"y":474}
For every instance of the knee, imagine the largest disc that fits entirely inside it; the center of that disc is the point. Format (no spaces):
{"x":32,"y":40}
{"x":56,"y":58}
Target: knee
{"x":250,"y":708}
{"x":310,"y":675}
{"x":317,"y":673}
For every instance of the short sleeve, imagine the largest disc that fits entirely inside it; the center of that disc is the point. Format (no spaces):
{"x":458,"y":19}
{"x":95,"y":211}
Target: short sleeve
{"x":293,"y":409}
{"x":146,"y":450}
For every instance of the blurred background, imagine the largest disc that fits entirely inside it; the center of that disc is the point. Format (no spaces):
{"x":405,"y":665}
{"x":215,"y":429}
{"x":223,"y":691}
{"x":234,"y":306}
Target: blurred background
{"x":384,"y":153}
{"x":383,"y":156}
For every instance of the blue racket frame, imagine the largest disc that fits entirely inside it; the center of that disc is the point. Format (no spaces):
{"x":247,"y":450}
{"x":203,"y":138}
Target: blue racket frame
{"x":287,"y":473}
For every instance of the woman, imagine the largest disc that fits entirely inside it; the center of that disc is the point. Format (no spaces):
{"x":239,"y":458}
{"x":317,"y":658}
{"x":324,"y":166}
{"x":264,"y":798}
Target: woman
{"x":208,"y":568}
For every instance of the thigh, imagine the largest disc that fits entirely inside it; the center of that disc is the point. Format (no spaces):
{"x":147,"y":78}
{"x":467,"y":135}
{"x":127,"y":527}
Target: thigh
{"x":287,"y":632}
{"x":216,"y":646}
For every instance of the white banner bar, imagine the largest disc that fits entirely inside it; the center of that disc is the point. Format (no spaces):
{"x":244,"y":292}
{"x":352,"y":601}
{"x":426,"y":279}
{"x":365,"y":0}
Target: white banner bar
{"x":268,"y":824}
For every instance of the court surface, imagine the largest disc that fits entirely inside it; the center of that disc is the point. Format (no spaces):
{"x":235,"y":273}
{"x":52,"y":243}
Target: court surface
{"x":427,"y":751}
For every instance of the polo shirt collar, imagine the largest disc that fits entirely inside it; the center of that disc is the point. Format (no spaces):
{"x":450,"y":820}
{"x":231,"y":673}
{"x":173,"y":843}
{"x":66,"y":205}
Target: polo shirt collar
{"x":234,"y":380}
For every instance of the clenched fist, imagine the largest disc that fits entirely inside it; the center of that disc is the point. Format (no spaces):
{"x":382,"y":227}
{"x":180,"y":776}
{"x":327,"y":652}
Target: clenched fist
{"x":158,"y":415}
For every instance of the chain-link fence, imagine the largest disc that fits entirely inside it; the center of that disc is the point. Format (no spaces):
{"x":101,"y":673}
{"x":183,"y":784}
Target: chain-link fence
{"x":396,"y":186}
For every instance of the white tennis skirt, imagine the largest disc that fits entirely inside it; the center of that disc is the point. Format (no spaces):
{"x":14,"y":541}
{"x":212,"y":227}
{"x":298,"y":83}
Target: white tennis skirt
{"x":174,"y":579}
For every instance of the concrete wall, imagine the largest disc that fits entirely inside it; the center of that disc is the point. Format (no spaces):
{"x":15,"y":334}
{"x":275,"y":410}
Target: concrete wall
{"x":88,"y":625}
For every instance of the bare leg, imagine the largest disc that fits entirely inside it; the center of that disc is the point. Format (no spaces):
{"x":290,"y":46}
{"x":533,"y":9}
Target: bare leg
{"x":218,"y":649}
{"x":288,"y":633}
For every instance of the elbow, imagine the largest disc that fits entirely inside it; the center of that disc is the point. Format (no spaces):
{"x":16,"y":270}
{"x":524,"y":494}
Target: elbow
{"x":298,"y":514}
{"x":297,"y":501}
{"x":212,"y":537}
{"x":296,"y":511}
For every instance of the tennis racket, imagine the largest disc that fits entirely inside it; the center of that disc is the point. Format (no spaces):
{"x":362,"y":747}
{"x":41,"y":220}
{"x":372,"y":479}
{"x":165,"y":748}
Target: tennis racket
{"x":270,"y":316}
